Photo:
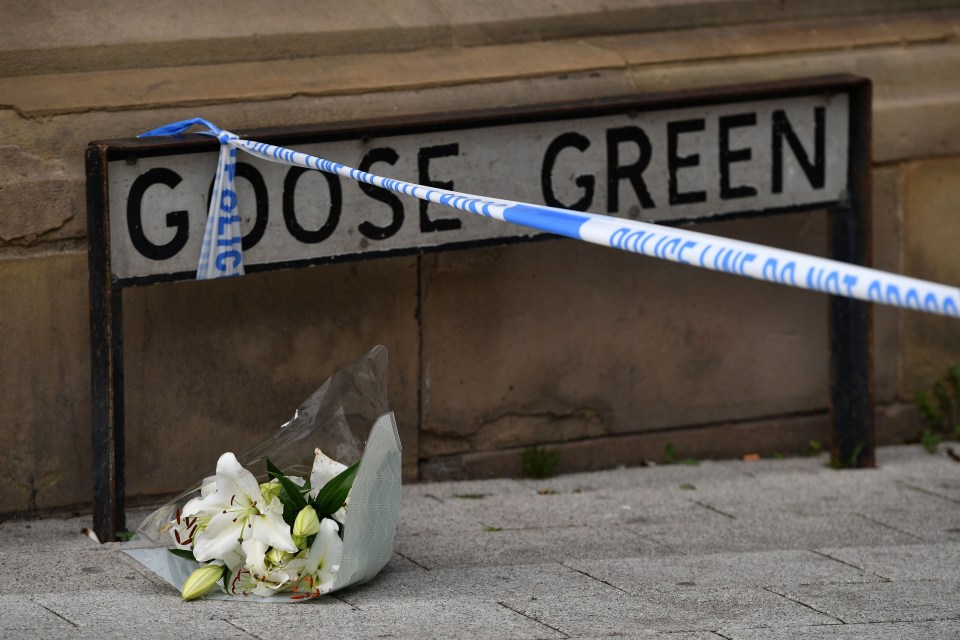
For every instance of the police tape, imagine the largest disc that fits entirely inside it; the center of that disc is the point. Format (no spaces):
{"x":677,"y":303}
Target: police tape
{"x":221,"y":253}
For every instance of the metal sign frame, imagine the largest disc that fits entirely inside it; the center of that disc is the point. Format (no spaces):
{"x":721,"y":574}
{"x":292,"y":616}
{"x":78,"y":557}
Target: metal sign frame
{"x":849,"y":222}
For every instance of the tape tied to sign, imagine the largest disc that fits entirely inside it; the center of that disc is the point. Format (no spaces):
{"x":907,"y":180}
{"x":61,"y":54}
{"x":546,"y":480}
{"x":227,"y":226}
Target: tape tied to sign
{"x":222,"y":251}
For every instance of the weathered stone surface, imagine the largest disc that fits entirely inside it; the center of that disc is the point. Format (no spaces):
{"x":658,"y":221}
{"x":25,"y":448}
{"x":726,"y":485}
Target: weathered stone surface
{"x":930,"y":343}
{"x":910,"y":562}
{"x":742,"y":39}
{"x":44,"y":383}
{"x":712,"y":441}
{"x":882,"y":601}
{"x":887,"y":240}
{"x":36,"y":195}
{"x":720,"y":349}
{"x":208,"y":368}
{"x":253,"y":81}
{"x":596,"y":581}
{"x":757,"y":569}
{"x":910,"y":85}
{"x":109,"y":35}
{"x":664,"y":608}
{"x":214,"y":366}
{"x":50,"y":38}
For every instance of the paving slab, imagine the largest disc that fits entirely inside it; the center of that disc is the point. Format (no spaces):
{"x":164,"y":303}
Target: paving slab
{"x":914,"y":460}
{"x":813,"y":493}
{"x":631,"y":478}
{"x":19,"y":613}
{"x":903,"y":601}
{"x":772,"y":530}
{"x":940,"y":630}
{"x":719,"y":550}
{"x":594,"y":508}
{"x":759,"y":569}
{"x":482,"y":583}
{"x":65,"y":533}
{"x":465,"y":618}
{"x":910,"y":562}
{"x":668,"y":609}
{"x":151,"y":609}
{"x":51,"y":569}
{"x":929,"y":523}
{"x":524,"y":546}
{"x":207,"y":630}
{"x":657,"y":635}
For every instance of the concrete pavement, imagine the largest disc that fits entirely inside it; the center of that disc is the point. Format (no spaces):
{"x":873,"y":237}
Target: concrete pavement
{"x":773,"y":549}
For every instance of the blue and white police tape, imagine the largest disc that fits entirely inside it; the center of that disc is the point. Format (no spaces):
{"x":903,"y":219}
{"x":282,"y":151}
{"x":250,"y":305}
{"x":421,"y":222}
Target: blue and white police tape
{"x":667,"y":243}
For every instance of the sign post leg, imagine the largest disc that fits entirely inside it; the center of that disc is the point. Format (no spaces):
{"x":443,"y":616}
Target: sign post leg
{"x":106,"y":362}
{"x":851,"y":326}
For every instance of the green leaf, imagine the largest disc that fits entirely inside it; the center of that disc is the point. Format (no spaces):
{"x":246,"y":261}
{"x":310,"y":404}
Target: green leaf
{"x":226,"y":578}
{"x":930,"y":440}
{"x":942,"y":397}
{"x":333,"y":494}
{"x":183,"y":553}
{"x":930,"y":413}
{"x":670,"y":453}
{"x":292,"y":491}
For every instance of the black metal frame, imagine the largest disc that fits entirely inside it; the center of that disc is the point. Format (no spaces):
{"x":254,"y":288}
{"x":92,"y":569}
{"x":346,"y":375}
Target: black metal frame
{"x":849,"y":228}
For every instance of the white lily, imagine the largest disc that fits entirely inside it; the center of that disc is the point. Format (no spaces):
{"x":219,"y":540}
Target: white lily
{"x":323,"y":560}
{"x":238,"y":511}
{"x":182,"y":529}
{"x":263,"y":577}
{"x":324,"y":470}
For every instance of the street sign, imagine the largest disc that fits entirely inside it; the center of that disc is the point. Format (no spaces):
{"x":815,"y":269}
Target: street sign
{"x":675,"y":157}
{"x":663,"y":165}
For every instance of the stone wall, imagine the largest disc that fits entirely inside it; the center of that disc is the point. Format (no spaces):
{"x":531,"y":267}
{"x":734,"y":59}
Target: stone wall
{"x":492,"y":349}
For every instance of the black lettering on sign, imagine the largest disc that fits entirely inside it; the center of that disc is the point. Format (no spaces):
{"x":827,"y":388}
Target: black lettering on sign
{"x":585,"y":182}
{"x":424,"y":155}
{"x":632,"y":172}
{"x":728,"y":156}
{"x":368,"y":229}
{"x":815,"y":171}
{"x":250,"y":173}
{"x":290,"y":213}
{"x":676,"y":162}
{"x":178,"y":220}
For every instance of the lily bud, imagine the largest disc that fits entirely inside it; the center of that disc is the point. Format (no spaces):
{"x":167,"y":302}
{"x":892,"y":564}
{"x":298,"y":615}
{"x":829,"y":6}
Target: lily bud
{"x":279,"y":556}
{"x":270,"y":490}
{"x":201,"y":581}
{"x":300,"y":541}
{"x":307,"y":522}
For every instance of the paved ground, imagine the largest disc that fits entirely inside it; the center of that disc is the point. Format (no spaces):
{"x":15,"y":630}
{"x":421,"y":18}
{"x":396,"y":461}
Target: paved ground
{"x":777,"y":549}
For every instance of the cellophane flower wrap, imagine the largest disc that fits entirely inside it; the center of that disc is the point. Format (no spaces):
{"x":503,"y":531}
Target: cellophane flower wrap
{"x":310,"y":510}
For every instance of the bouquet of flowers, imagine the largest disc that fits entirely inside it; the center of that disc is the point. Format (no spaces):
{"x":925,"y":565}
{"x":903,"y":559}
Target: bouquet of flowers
{"x":297,"y":531}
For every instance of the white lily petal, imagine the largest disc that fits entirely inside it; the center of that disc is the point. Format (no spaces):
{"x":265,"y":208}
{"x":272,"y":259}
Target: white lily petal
{"x":256,"y":552}
{"x":233,"y":481}
{"x":208,"y":485}
{"x":234,"y":560}
{"x":326,"y":549}
{"x":324,"y":470}
{"x":218,"y":539}
{"x":270,"y":529}
{"x":203,"y":507}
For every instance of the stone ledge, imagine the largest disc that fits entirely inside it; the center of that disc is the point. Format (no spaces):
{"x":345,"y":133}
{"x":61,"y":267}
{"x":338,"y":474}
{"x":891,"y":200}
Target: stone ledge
{"x":791,"y":434}
{"x":675,"y":59}
{"x":46,"y":37}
